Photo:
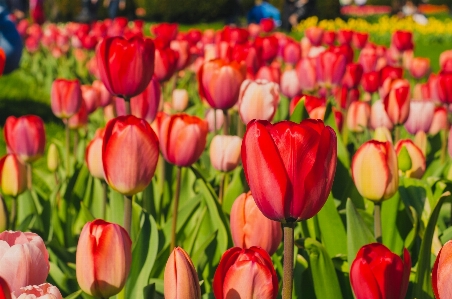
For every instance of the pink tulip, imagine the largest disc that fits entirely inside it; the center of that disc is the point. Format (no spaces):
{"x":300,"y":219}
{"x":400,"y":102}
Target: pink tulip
{"x":210,"y":117}
{"x":225,"y":152}
{"x":105,"y":97}
{"x":292,"y":52}
{"x":183,"y":51}
{"x":330,"y":68}
{"x":80,"y":119}
{"x":65,"y":97}
{"x":24,"y":259}
{"x":419,"y":67}
{"x":90,"y":96}
{"x":13,"y":175}
{"x":290,"y":85}
{"x":129,"y":154}
{"x":180,"y":278}
{"x":179,"y":99}
{"x":440,"y":121}
{"x":25,"y":137}
{"x":397,"y":101}
{"x":270,"y":73}
{"x":368,"y":59}
{"x":103,"y":258}
{"x":146,"y":104}
{"x":307,"y":74}
{"x":420,"y":117}
{"x":379,"y":117}
{"x":93,"y":155}
{"x":249,"y":227}
{"x":445,"y":62}
{"x":315,"y":35}
{"x":42,"y":291}
{"x":258,"y":100}
{"x":358,"y":116}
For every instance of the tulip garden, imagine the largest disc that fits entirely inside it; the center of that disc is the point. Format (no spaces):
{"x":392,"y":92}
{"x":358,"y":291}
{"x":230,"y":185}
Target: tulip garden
{"x":155,"y":162}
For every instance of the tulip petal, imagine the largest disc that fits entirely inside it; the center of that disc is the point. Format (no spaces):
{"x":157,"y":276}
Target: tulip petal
{"x":444,"y":272}
{"x":363,"y":280}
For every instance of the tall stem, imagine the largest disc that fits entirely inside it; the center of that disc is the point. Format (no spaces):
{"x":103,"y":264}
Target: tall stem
{"x":104,"y":198}
{"x":68,"y":152}
{"x":396,"y":133}
{"x":75,"y":145}
{"x":214,"y":121}
{"x":221,"y":191}
{"x":226,"y":122}
{"x":377,"y":221}
{"x":29,"y":176}
{"x":127,"y":104}
{"x":176,"y":206}
{"x":128,"y":214}
{"x":288,"y":260}
{"x":13,"y":214}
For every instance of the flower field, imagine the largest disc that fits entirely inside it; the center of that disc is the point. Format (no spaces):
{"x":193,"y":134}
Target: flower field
{"x":146,"y":161}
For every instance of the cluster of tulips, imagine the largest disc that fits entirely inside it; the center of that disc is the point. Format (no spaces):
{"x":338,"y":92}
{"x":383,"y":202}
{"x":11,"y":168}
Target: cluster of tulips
{"x":358,"y":129}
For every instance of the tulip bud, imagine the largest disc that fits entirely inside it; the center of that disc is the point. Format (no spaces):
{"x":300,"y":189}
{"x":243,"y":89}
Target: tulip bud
{"x":375,"y":171}
{"x":397,"y":101}
{"x":315,"y":35}
{"x":440,"y":121}
{"x":376,"y":272}
{"x":53,"y":158}
{"x":307,"y":74}
{"x":179,"y":99}
{"x":225,"y":152}
{"x":93,"y":155}
{"x":411,"y":159}
{"x":290,"y":85}
{"x":404,"y":160}
{"x":358,"y":116}
{"x":245,"y":273}
{"x":379,"y":117}
{"x":382,"y":134}
{"x":13,"y":175}
{"x":80,"y":119}
{"x":180,"y":278}
{"x":249,"y":227}
{"x":419,"y":67}
{"x":402,"y":40}
{"x":212,"y":116}
{"x":420,"y":116}
{"x":65,"y":98}
{"x":165,"y":61}
{"x":43,"y":291}
{"x":103,"y":258}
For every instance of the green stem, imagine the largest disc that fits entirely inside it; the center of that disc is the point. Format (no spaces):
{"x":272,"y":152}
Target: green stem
{"x":75,"y":145}
{"x":225,"y":122}
{"x":176,"y":206}
{"x":68,"y":152}
{"x":104,"y":198}
{"x":443,"y":153}
{"x":127,"y":104}
{"x":221,"y":191}
{"x":377,"y":222}
{"x":128,"y":214}
{"x":13,"y":214}
{"x":29,"y":176}
{"x":396,"y":133}
{"x":288,"y":260}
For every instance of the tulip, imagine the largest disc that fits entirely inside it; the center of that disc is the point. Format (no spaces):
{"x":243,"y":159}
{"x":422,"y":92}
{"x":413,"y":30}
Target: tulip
{"x":219,"y":83}
{"x":214,"y":121}
{"x":371,"y":81}
{"x":359,"y":39}
{"x":146,"y":104}
{"x":352,"y":76}
{"x":103,"y":258}
{"x":25,"y":137}
{"x":249,"y":227}
{"x":397,"y":101}
{"x":24,"y":259}
{"x":283,"y":190}
{"x":93,"y":155}
{"x":90,"y":96}
{"x":2,"y":61}
{"x":290,"y":85}
{"x":43,"y":291}
{"x":330,"y":68}
{"x":179,"y":99}
{"x":345,"y":50}
{"x":419,"y":67}
{"x":440,"y":121}
{"x":125,"y":66}
{"x":402,"y":40}
{"x":445,"y":62}
{"x":441,"y":272}
{"x":269,"y":47}
{"x":180,"y":278}
{"x":53,"y":158}
{"x":420,"y":140}
{"x":225,"y":152}
{"x":13,"y":175}
{"x":344,"y":36}
{"x":258,"y":100}
{"x":379,"y":117}
{"x":267,"y":24}
{"x":291,"y":53}
{"x":420,"y":117}
{"x":80,"y":119}
{"x":416,"y":156}
{"x":183,"y":53}
{"x":382,"y":134}
{"x":245,"y":273}
{"x":310,"y":102}
{"x":407,"y":59}
{"x":182,"y":139}
{"x":165,"y":30}
{"x":270,"y":73}
{"x":390,"y":72}
{"x":165,"y":62}
{"x":368,"y":59}
{"x":105,"y":97}
{"x":315,"y":35}
{"x":375,"y":171}
{"x":377,"y":273}
{"x":65,"y":97}
{"x":129,"y":154}
{"x":358,"y":116}
{"x":307,"y":74}
{"x":5,"y":292}
{"x":444,"y":87}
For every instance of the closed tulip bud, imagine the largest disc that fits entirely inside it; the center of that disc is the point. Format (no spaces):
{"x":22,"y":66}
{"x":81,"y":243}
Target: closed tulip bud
{"x":420,"y":117}
{"x":283,"y":190}
{"x":329,"y":37}
{"x":219,"y":82}
{"x":377,"y":273}
{"x":408,"y":151}
{"x":125,"y":66}
{"x":330,"y":67}
{"x":146,"y":104}
{"x":90,"y":96}
{"x":268,"y":46}
{"x":211,"y":118}
{"x":344,"y":36}
{"x":25,"y":136}
{"x":5,"y":292}
{"x":379,"y":117}
{"x":382,"y":134}
{"x":315,"y":35}
{"x":53,"y":158}
{"x":390,"y":72}
{"x":80,"y":119}
{"x":24,"y":259}
{"x":375,"y":171}
{"x":419,"y":67}
{"x":358,"y":116}
{"x":182,"y":48}
{"x":225,"y":152}
{"x":130,"y":152}
{"x":371,"y":81}
{"x":103,"y":258}
{"x":267,"y":24}
{"x":368,"y":59}
{"x":290,"y":85}
{"x":402,"y":40}
{"x":352,"y":76}
{"x":165,"y":62}
{"x":245,"y":273}
{"x":397,"y":101}
{"x":249,"y":227}
{"x":93,"y":155}
{"x":180,"y":278}
{"x":182,"y":139}
{"x":359,"y":40}
{"x":258,"y":100}
{"x":105,"y":97}
{"x":179,"y":99}
{"x":65,"y":97}
{"x":307,"y":74}
{"x":42,"y":291}
{"x":291,"y":52}
{"x":444,"y":87}
{"x":440,"y":121}
{"x":13,"y":175}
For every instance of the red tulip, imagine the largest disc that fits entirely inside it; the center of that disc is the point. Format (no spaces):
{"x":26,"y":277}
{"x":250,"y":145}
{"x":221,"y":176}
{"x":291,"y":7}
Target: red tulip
{"x":445,"y":62}
{"x":165,"y":62}
{"x":419,"y":67}
{"x":105,"y":97}
{"x":103,"y":258}
{"x":80,"y":119}
{"x":368,"y":59}
{"x":315,"y":35}
{"x":146,"y":104}
{"x":307,"y":74}
{"x":269,"y":46}
{"x":344,"y":36}
{"x":390,"y":72}
{"x":245,"y":273}
{"x":377,"y":273}
{"x":93,"y":155}
{"x":267,"y":24}
{"x":2,"y":61}
{"x":90,"y":96}
{"x":270,"y":73}
{"x":5,"y":292}
{"x":360,"y":39}
{"x":345,"y":50}
{"x":25,"y":136}
{"x":284,"y":184}
{"x":183,"y":51}
{"x":352,"y":76}
{"x":125,"y":66}
{"x":182,"y":138}
{"x":129,"y":154}
{"x":330,"y":68}
{"x":249,"y":227}
{"x":397,"y":101}
{"x":166,"y":31}
{"x":219,"y":82}
{"x":402,"y":40}
{"x":65,"y":97}
{"x":371,"y":81}
{"x":329,"y":37}
{"x":444,"y":87}
{"x":234,"y":35}
{"x":310,"y":102}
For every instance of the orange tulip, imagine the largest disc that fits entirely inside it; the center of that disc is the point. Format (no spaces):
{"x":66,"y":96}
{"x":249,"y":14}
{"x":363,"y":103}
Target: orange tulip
{"x":93,"y":155}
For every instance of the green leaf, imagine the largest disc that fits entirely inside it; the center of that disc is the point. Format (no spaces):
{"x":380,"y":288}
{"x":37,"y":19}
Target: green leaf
{"x":332,"y":229}
{"x":326,"y":284}
{"x":423,"y":284}
{"x":233,"y":190}
{"x":358,"y":234}
{"x":283,"y":109}
{"x":74,"y":295}
{"x":299,"y":113}
{"x":148,"y":291}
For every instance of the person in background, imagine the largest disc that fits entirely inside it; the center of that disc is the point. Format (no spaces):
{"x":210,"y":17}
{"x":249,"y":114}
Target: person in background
{"x":263,"y":10}
{"x":89,"y":11}
{"x":37,"y":11}
{"x":114,"y":6}
{"x":296,"y":10}
{"x":10,"y":40}
{"x":18,"y":8}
